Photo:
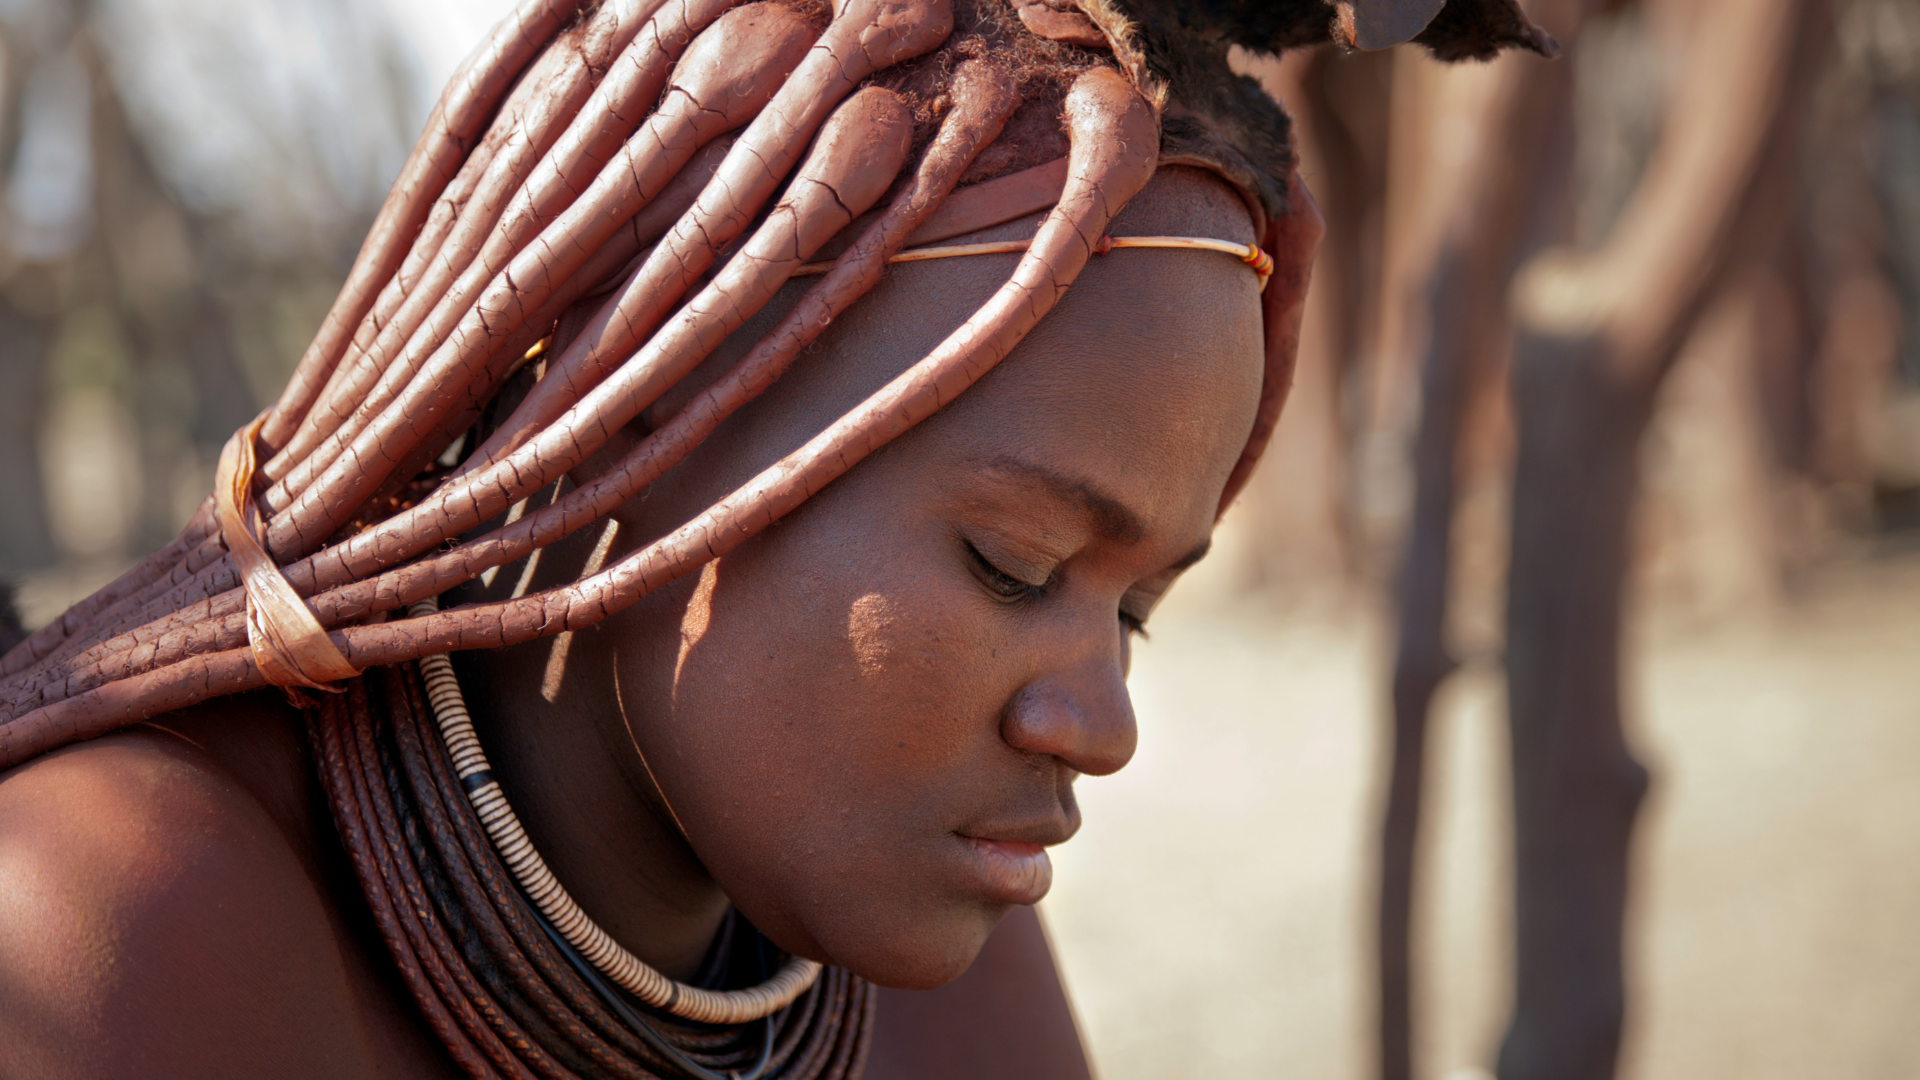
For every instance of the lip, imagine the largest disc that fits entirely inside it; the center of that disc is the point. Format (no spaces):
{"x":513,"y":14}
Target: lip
{"x":1013,"y":871}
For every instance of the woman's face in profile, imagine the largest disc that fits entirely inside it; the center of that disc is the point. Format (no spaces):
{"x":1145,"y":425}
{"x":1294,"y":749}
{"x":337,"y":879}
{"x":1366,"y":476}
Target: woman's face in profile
{"x":869,"y":719}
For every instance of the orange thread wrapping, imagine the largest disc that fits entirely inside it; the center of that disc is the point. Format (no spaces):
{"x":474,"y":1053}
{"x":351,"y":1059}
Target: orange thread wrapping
{"x":1261,"y":262}
{"x":289,"y":644}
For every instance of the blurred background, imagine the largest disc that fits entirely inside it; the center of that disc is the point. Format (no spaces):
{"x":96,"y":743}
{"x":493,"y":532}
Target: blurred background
{"x":1604,"y":452}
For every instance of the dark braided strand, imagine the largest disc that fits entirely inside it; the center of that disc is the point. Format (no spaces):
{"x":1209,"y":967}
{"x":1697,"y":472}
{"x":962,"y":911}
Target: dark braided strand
{"x":327,"y":727}
{"x":478,"y":1015}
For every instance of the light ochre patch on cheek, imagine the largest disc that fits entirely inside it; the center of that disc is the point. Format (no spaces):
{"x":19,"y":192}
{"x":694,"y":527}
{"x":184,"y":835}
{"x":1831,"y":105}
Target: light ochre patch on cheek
{"x":556,"y":670}
{"x":699,"y":616}
{"x":871,"y":624}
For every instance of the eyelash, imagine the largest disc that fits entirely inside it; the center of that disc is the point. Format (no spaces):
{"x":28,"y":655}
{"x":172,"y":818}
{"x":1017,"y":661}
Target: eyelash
{"x":1011,"y":587}
{"x":1003,"y":583}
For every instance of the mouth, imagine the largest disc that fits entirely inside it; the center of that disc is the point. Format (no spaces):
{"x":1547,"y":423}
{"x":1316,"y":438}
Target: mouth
{"x":1012,"y":871}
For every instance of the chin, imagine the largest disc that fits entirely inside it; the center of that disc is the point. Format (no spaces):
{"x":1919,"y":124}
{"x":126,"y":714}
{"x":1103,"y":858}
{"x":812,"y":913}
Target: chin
{"x":925,"y":954}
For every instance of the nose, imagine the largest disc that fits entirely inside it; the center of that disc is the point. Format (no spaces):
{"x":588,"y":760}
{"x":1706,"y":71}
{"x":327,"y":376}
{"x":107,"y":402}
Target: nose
{"x":1079,"y":712}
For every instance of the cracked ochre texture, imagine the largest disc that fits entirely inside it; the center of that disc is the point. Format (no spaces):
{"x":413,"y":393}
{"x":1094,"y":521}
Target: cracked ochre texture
{"x":624,"y":184}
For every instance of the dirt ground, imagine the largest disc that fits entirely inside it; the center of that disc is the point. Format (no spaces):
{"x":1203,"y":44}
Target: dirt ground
{"x":1213,"y":915}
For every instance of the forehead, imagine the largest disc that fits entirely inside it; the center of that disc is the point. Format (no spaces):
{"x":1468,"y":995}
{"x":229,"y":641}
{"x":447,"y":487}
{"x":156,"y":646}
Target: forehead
{"x":1144,"y":379}
{"x":1151,"y":359}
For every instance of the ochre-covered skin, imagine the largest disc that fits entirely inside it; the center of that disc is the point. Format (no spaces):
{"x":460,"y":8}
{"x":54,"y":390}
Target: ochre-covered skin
{"x":1291,"y":240}
{"x":1085,"y":374}
{"x":1115,"y":147}
{"x":484,"y":1028}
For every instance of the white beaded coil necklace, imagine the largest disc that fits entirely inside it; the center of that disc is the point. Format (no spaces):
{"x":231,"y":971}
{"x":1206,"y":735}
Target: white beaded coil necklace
{"x":550,"y":898}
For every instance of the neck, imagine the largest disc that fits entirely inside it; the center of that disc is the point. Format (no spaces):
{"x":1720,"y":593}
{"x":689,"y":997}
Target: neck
{"x":564,"y":755}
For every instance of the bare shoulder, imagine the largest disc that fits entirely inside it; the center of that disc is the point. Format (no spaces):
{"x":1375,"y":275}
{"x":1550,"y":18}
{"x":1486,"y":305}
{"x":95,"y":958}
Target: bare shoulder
{"x":158,"y":917}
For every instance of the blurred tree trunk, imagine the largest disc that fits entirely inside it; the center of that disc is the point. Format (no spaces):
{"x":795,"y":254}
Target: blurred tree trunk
{"x":1510,"y":196}
{"x":1342,"y":120}
{"x":26,"y":539}
{"x":1300,"y":506}
{"x":26,"y":543}
{"x":1598,"y":333}
{"x":1576,"y":784}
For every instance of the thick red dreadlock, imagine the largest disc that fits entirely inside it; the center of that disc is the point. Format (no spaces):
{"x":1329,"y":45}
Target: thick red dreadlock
{"x":594,"y":189}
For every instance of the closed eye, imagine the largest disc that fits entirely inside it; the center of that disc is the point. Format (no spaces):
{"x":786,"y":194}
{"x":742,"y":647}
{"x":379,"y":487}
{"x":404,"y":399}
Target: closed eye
{"x":1000,"y":582}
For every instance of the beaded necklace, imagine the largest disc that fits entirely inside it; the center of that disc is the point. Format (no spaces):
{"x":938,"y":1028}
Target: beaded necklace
{"x":503,"y":987}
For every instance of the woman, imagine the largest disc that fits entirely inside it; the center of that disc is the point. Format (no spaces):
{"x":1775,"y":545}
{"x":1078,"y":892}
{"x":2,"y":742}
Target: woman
{"x":723,"y":710}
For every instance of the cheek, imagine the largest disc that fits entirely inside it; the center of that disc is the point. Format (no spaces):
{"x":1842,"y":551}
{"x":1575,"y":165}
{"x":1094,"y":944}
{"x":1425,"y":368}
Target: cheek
{"x":930,"y":688}
{"x":846,"y":694}
{"x":906,"y":651}
{"x":828,"y":726}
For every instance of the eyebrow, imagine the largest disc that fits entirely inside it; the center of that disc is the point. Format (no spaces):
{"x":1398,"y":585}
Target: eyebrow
{"x":1112,"y":519}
